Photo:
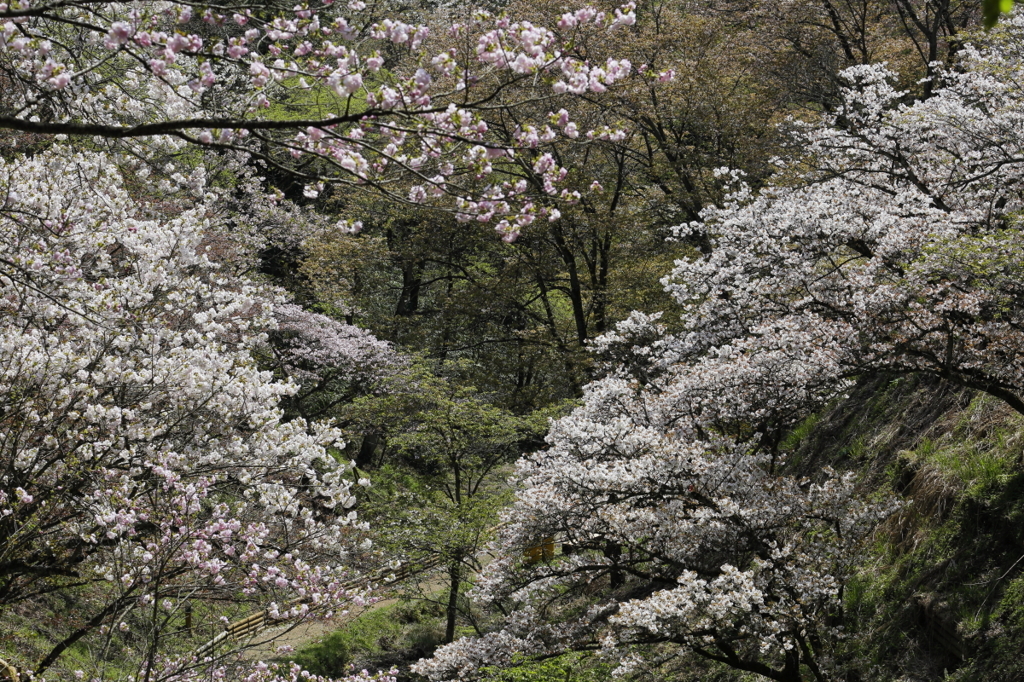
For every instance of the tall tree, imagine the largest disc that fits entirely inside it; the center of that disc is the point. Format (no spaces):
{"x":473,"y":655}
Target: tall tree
{"x":438,"y":493}
{"x":891,"y":242}
{"x":144,"y":463}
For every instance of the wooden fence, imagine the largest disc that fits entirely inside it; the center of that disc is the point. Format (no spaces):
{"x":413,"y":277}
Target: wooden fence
{"x":8,"y":671}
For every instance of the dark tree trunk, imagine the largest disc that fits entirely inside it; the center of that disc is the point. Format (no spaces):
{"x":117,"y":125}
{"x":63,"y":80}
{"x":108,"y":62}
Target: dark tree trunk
{"x":455,"y":579}
{"x":364,"y":458}
{"x":409,"y":298}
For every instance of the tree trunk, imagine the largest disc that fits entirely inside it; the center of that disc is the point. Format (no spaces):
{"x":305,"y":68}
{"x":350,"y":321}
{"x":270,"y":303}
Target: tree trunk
{"x":613,"y":551}
{"x":364,"y":458}
{"x":575,"y":288}
{"x":455,"y":578}
{"x":409,"y":297}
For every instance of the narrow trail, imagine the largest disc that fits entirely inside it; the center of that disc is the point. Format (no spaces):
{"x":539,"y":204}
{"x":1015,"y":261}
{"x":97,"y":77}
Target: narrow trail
{"x":282,"y":639}
{"x":267,"y":641}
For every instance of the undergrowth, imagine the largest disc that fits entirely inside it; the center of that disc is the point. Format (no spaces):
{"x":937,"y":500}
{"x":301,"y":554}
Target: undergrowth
{"x":396,"y":635}
{"x":941,"y":593}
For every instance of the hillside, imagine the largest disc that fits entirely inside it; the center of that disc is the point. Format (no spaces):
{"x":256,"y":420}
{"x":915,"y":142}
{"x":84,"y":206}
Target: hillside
{"x":941,"y":589}
{"x":307,"y":307}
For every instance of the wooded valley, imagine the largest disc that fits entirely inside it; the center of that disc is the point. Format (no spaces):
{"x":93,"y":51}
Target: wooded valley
{"x":515,"y":342}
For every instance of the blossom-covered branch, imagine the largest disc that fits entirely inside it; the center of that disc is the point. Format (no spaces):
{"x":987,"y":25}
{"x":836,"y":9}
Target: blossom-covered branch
{"x":142,"y":451}
{"x":313,"y":81}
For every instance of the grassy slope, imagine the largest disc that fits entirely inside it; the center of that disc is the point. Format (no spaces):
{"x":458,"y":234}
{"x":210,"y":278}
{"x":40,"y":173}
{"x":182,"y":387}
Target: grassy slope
{"x":942,"y":593}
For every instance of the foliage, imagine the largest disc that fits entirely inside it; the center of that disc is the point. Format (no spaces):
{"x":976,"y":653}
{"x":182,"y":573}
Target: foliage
{"x":329,"y":657}
{"x":566,"y":668}
{"x":147,"y":455}
{"x":993,"y":8}
{"x":941,"y":569}
{"x":440,"y":495}
{"x":380,"y":634}
{"x":721,"y":552}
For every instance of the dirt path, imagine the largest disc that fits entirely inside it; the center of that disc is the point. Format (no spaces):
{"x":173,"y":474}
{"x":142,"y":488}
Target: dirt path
{"x":280,"y":640}
{"x":287,"y":637}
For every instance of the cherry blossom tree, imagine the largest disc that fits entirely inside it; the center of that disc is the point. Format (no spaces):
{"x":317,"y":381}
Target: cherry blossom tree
{"x":144,"y":463}
{"x":895,"y":230}
{"x":888,"y":242}
{"x":331,"y":361}
{"x":368,"y":97}
{"x":680,"y":520}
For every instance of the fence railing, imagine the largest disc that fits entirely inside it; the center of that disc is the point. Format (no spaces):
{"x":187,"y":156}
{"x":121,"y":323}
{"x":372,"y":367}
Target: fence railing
{"x":8,"y":671}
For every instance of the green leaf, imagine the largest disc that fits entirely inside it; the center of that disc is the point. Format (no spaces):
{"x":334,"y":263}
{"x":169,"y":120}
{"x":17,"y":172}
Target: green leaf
{"x":993,"y":8}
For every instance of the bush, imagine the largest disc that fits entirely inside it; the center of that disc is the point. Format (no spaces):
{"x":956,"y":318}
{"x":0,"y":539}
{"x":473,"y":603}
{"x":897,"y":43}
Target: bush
{"x":329,"y":657}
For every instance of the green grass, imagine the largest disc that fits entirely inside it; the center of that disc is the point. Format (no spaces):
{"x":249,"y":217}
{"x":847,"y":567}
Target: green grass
{"x":575,"y":667}
{"x":413,"y":625}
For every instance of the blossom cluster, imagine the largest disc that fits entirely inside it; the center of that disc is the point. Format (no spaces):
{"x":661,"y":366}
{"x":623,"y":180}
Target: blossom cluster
{"x":142,"y":448}
{"x":221,"y":72}
{"x":315,"y":345}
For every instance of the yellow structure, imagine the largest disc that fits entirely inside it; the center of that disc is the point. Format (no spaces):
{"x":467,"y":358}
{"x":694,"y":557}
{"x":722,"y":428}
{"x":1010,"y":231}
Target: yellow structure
{"x":542,"y":551}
